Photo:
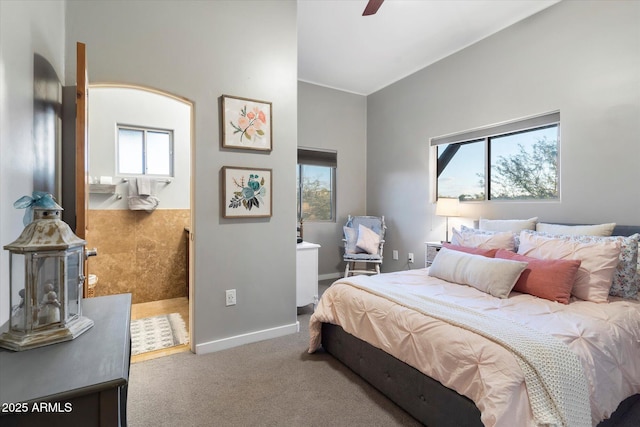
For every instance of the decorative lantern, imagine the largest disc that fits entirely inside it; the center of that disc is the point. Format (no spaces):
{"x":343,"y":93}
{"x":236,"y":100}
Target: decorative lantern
{"x":46,"y":277}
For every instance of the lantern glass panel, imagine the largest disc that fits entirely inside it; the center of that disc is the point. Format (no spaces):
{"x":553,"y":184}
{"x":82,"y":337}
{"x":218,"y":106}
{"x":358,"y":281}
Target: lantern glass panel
{"x":74,"y":283}
{"x":48,"y":277}
{"x":18,"y":292}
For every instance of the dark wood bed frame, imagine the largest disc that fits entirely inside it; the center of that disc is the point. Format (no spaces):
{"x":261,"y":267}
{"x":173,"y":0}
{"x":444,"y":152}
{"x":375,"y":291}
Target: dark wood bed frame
{"x":424,"y":398}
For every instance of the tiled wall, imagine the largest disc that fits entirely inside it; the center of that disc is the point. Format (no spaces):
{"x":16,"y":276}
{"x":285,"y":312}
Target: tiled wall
{"x":139,"y":252}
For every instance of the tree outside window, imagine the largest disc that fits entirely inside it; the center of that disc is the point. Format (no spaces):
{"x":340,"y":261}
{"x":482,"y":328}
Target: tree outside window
{"x":515,"y":161}
{"x":316,"y":186}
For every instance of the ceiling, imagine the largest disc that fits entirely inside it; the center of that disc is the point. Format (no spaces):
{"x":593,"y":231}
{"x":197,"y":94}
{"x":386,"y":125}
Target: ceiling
{"x":341,"y":49}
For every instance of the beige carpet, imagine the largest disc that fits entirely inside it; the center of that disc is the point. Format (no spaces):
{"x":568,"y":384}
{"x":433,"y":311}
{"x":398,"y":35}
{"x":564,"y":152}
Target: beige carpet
{"x":269,"y":383}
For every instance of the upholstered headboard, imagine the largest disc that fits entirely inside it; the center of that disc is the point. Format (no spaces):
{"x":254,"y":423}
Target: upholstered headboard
{"x":619,"y":230}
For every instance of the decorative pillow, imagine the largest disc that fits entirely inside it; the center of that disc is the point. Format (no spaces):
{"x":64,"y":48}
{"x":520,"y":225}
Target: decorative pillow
{"x":599,"y":261}
{"x":489,"y":253}
{"x":493,"y":276}
{"x":513,"y":225}
{"x":368,"y":240}
{"x":549,"y":279}
{"x":626,"y":278}
{"x":351,"y":236}
{"x":472,"y":238}
{"x":577,"y":230}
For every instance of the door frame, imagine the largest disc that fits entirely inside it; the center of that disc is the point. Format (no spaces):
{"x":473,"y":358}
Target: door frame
{"x":82,"y":151}
{"x":191,"y":234}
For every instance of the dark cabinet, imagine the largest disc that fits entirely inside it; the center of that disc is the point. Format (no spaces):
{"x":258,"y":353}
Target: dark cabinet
{"x":75,"y":383}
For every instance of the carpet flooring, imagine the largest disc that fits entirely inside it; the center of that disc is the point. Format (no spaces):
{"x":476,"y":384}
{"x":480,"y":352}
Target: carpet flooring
{"x":269,"y":383}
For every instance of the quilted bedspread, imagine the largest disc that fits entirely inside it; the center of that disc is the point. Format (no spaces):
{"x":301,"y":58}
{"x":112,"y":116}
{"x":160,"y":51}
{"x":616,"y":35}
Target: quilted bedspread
{"x":605,"y":338}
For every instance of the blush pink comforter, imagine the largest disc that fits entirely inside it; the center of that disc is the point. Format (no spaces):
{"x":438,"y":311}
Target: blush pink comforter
{"x":605,"y":337}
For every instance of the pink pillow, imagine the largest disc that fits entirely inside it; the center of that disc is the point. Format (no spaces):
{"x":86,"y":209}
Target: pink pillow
{"x":489,"y":253}
{"x":550,"y":279}
{"x":595,"y":274}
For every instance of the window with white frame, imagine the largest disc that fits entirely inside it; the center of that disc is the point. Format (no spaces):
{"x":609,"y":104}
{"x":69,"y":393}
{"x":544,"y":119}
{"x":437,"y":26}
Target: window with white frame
{"x":518,"y":160}
{"x":316,"y":176}
{"x":144,"y":151}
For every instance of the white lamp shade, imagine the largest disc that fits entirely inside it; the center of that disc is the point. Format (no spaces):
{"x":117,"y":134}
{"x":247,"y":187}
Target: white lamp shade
{"x":447,"y":206}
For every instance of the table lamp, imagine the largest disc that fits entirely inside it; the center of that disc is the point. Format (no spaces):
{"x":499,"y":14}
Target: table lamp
{"x":446,"y":207}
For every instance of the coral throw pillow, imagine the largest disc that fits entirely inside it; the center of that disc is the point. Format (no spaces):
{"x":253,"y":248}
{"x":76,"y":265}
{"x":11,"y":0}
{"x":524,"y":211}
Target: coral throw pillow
{"x":550,"y":279}
{"x":599,"y":261}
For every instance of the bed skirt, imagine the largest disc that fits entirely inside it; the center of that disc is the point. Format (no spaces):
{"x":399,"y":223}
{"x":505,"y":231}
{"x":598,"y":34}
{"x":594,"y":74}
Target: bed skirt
{"x":424,"y":398}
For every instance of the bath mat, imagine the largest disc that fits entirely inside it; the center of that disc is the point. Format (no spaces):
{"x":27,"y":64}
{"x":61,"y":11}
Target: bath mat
{"x":157,"y":332}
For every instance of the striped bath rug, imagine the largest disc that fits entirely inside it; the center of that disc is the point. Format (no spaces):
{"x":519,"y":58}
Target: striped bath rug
{"x":157,"y":332}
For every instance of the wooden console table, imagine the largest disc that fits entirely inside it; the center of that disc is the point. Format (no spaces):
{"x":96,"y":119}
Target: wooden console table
{"x":82,"y":382}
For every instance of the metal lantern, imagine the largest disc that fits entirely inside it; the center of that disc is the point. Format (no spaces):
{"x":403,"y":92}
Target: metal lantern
{"x":46,"y":278}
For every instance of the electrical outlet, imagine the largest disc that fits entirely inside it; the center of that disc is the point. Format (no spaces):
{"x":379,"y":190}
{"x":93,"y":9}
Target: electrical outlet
{"x":231,"y":297}
{"x":410,"y":258}
{"x":395,"y":254}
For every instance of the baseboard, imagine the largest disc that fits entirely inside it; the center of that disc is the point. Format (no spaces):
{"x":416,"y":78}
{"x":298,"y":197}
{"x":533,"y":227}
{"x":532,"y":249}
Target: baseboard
{"x":266,"y":334}
{"x":329,"y":276}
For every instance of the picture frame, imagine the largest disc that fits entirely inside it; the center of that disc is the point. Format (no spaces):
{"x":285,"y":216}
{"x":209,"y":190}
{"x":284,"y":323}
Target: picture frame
{"x":246,"y":123}
{"x":246,"y":192}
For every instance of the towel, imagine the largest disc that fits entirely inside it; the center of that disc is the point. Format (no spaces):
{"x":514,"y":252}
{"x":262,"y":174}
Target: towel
{"x":144,"y":186}
{"x":142,"y":194}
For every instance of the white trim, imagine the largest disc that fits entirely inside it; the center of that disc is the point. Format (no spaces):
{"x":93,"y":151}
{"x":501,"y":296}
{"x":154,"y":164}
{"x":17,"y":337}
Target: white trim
{"x":251,"y":337}
{"x":329,"y":276}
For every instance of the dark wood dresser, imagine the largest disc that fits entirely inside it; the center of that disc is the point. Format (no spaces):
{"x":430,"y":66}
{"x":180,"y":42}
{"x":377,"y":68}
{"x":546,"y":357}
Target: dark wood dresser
{"x":82,"y":382}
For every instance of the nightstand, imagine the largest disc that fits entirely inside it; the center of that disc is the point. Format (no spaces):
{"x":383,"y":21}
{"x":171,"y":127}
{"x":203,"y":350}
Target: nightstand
{"x":430,"y":251}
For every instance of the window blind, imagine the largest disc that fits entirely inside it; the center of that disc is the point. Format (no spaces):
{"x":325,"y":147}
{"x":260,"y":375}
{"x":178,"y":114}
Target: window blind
{"x":499,"y":129}
{"x":318,"y":157}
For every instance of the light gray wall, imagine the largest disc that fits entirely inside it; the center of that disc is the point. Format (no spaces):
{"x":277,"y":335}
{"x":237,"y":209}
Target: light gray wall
{"x":113,"y":106}
{"x":202,"y":50}
{"x":335,"y":120}
{"x":582,"y":58}
{"x":26,"y":28}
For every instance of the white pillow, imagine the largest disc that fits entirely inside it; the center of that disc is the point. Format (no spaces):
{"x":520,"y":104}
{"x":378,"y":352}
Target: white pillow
{"x":494,"y":276}
{"x":576,"y":230}
{"x":598,"y":262}
{"x":368,"y":240}
{"x":484,"y":240}
{"x":514,"y":225}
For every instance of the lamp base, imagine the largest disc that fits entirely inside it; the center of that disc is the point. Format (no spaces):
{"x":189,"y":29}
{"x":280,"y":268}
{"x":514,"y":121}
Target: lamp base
{"x":53,"y":335}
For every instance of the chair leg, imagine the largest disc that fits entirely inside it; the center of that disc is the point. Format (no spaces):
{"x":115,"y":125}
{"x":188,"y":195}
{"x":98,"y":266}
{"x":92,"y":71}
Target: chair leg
{"x":377,"y":268}
{"x":346,"y":270}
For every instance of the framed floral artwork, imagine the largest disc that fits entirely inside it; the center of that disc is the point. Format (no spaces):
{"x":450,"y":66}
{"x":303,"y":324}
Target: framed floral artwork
{"x":246,"y":192}
{"x":246,"y":123}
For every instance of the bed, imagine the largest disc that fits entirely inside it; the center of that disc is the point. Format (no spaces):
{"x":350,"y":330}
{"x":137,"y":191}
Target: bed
{"x":390,"y":330}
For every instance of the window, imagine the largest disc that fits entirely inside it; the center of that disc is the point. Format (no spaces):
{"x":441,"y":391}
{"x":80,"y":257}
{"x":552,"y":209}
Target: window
{"x":316,"y":176}
{"x":143,"y":151}
{"x":511,"y":161}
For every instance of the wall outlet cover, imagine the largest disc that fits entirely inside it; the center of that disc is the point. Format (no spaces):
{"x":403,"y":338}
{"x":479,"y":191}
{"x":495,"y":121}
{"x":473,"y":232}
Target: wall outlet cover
{"x":230,"y":297}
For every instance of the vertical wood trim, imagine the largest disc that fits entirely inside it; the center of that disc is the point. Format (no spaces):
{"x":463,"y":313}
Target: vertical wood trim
{"x":82,"y":155}
{"x":81,"y":140}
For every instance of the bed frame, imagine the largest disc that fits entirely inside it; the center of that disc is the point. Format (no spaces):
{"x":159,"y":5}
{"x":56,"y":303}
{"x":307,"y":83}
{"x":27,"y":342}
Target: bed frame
{"x":424,"y":398}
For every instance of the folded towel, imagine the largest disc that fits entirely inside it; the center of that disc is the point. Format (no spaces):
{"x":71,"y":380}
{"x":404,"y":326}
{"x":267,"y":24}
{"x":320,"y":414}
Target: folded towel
{"x":144,"y":186}
{"x":142,"y":202}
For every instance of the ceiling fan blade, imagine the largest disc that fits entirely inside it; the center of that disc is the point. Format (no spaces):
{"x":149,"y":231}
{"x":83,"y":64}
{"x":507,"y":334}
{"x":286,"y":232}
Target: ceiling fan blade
{"x":372,"y":7}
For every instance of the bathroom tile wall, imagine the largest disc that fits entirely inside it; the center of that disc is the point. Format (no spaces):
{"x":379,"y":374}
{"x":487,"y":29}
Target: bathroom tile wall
{"x":139,"y":252}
